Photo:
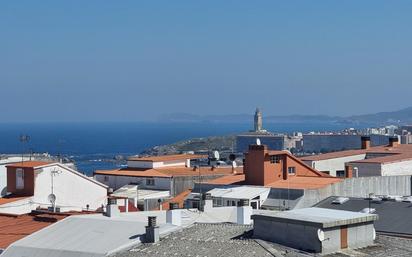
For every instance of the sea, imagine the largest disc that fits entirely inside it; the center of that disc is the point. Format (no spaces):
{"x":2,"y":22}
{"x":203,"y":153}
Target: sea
{"x":95,"y":146}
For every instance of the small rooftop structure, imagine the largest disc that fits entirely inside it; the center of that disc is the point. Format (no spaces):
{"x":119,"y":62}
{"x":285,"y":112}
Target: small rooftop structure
{"x":316,"y":229}
{"x":175,"y":160}
{"x":240,"y":192}
{"x":30,"y":184}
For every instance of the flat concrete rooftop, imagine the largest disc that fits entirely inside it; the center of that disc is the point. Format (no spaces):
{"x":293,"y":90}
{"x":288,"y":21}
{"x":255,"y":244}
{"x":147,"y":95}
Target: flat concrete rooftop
{"x":320,"y":217}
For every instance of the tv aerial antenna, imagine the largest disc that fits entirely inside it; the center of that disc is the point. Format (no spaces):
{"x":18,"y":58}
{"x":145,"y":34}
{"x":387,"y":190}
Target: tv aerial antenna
{"x":23,"y":140}
{"x":54,"y":172}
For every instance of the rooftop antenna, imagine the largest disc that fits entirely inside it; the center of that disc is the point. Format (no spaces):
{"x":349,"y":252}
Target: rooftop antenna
{"x":23,"y":139}
{"x":60,"y":142}
{"x":53,"y":173}
{"x":232,"y":158}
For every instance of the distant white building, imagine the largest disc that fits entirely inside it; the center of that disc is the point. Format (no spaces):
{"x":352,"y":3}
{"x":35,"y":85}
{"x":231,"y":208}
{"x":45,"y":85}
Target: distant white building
{"x":30,"y":185}
{"x":393,"y":159}
{"x":232,"y":196}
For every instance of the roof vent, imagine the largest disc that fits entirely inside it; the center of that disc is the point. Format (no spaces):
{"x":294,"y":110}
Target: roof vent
{"x":368,"y":210}
{"x":407,"y":199}
{"x":376,"y":199}
{"x":394,"y":198}
{"x":340,"y":200}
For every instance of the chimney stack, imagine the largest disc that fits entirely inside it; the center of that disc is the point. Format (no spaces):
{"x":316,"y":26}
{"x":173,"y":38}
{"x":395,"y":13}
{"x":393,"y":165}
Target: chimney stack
{"x":348,"y":171}
{"x":366,"y":142}
{"x":207,"y":202}
{"x":152,"y":230}
{"x":174,"y":215}
{"x":244,"y":212}
{"x":393,"y":141}
{"x":112,"y":209}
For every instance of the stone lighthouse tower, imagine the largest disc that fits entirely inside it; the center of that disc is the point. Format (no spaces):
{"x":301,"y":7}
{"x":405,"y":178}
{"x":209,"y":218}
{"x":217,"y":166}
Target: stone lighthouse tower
{"x":258,"y":120}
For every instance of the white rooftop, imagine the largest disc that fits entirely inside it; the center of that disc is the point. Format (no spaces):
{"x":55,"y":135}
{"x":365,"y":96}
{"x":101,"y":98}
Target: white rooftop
{"x":130,"y":191}
{"x":87,"y":235}
{"x":96,"y":235}
{"x":320,"y":216}
{"x":241,"y":192}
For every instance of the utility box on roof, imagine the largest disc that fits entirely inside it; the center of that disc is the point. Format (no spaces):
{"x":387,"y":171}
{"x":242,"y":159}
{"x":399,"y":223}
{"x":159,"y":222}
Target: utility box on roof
{"x":316,"y":229}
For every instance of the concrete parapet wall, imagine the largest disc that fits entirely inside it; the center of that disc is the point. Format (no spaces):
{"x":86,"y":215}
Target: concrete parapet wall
{"x":359,"y":187}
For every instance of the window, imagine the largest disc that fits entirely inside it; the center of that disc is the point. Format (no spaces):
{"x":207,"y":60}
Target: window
{"x":150,"y":182}
{"x":217,"y":202}
{"x":292,"y":170}
{"x":195,"y":205}
{"x":19,"y":179}
{"x":340,"y":173}
{"x":274,"y":159}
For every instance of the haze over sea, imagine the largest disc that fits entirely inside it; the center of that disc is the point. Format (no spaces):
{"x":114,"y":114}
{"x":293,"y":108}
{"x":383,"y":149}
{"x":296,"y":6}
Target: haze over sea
{"x":94,"y":145}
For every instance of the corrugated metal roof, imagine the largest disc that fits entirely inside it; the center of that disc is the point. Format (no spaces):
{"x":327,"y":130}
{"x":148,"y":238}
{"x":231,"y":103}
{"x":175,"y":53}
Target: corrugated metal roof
{"x":86,"y":235}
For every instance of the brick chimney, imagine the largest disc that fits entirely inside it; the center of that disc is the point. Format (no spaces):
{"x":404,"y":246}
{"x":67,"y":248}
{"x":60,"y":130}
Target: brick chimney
{"x":348,"y":171}
{"x":254,"y":165}
{"x":366,"y":142}
{"x":152,"y":230}
{"x":393,"y":141}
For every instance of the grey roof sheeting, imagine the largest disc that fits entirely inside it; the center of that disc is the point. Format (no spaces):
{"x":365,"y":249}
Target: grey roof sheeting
{"x":321,"y":217}
{"x":84,"y":235}
{"x":394,"y":217}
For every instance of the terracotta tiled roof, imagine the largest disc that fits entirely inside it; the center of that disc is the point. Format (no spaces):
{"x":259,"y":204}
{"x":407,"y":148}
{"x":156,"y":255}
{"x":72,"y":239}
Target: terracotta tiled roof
{"x":228,"y":180}
{"x":11,"y":198}
{"x":164,"y":158}
{"x":300,"y":182}
{"x":131,"y":208}
{"x":168,"y":172}
{"x":13,"y":228}
{"x":132,"y":173}
{"x":27,"y":164}
{"x":404,"y":151}
{"x":183,"y":171}
{"x":386,"y":159}
{"x":180,"y":199}
{"x":333,"y":155}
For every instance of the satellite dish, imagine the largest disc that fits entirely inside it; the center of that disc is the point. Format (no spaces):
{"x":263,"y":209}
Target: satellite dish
{"x":258,"y":141}
{"x":321,"y":235}
{"x":216,"y":155}
{"x":52,"y":198}
{"x":234,"y":165}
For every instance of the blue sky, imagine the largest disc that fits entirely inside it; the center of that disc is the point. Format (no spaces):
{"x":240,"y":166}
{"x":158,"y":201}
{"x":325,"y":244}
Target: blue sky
{"x":134,"y":60}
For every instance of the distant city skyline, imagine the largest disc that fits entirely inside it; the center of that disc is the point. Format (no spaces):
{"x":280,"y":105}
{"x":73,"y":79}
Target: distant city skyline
{"x":135,"y":60}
